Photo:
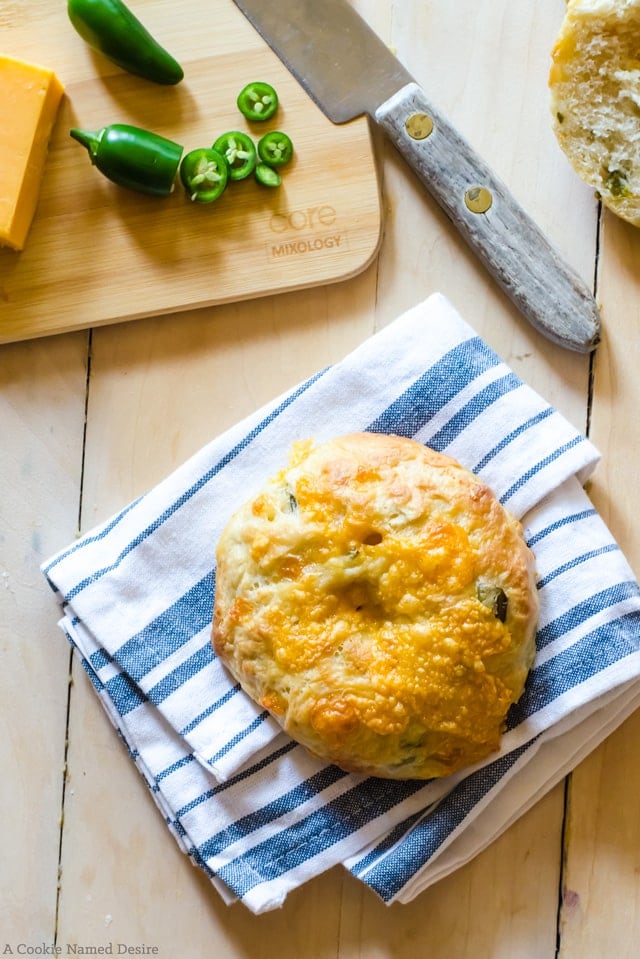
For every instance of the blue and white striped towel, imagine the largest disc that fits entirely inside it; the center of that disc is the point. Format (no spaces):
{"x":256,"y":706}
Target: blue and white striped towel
{"x":246,"y":803}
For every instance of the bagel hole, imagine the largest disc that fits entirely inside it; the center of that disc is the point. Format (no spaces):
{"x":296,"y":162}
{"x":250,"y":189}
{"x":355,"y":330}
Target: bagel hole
{"x":374,"y":538}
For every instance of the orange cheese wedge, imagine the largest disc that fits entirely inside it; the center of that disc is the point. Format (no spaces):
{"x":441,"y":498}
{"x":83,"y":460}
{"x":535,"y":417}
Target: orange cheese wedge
{"x":29,"y":99}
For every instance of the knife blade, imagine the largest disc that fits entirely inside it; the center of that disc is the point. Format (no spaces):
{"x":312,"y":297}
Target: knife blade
{"x":348,"y":71}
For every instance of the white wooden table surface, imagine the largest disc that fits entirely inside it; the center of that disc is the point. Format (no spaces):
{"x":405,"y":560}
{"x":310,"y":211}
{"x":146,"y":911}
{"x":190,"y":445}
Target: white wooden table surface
{"x":89,"y":420}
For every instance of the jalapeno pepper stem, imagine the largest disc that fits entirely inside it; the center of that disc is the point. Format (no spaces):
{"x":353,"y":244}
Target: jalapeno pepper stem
{"x":88,"y":139}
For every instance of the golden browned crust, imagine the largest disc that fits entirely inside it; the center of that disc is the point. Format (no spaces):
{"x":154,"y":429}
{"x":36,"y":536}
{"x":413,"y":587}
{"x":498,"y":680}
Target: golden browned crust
{"x":379,"y":601}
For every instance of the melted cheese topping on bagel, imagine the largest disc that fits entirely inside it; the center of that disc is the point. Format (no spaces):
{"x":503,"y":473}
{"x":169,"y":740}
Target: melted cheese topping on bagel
{"x":352,"y":603}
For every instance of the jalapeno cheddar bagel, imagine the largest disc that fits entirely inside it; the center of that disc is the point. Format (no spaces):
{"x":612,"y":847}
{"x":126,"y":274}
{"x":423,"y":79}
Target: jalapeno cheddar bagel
{"x":377,"y":599}
{"x":595,"y":99}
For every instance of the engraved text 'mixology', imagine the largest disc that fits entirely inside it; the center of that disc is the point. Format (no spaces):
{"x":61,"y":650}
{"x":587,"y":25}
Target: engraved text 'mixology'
{"x":301,"y":232}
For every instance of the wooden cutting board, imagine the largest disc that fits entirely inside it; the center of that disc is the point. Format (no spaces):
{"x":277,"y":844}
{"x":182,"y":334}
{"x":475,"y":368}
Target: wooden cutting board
{"x":100,"y":254}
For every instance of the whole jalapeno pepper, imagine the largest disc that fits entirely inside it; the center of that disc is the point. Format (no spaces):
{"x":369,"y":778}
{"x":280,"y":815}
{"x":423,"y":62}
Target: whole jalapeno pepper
{"x":111,"y":28}
{"x":132,"y":157}
{"x":275,"y":148}
{"x":204,"y":174}
{"x":239,"y":151}
{"x":257,"y":101}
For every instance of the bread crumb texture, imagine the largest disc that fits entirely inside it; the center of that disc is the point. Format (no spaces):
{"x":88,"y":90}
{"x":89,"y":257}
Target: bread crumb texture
{"x":594,"y":84}
{"x":379,"y":601}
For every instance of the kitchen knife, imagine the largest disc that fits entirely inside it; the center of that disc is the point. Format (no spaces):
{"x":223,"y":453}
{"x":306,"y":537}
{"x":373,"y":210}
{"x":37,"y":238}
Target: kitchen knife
{"x":349,"y":71}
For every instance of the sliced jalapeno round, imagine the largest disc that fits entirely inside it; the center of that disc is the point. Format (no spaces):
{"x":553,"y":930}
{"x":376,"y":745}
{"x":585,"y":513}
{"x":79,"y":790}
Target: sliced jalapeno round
{"x":275,"y":148}
{"x":204,"y":174}
{"x":267,"y":176}
{"x":239,"y":151}
{"x":257,"y":101}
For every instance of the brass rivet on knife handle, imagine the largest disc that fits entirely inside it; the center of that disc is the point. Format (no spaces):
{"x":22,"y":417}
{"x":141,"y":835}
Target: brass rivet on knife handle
{"x":315,"y":41}
{"x":478,"y":199}
{"x":419,"y":126}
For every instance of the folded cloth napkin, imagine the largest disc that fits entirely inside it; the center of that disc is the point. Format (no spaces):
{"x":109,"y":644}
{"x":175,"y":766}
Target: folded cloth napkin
{"x":248,"y":805}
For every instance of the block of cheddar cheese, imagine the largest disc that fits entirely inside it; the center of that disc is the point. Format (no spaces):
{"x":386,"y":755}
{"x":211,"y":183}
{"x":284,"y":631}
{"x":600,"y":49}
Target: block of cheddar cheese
{"x":29,"y":99}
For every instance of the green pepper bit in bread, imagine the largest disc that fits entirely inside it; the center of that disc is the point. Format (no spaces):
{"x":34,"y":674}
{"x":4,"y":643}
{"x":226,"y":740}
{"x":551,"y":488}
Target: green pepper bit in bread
{"x":134,"y":158}
{"x":594,"y":84}
{"x":111,"y":28}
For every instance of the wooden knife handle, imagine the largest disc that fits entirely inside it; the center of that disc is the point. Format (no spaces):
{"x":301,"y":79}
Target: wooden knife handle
{"x":546,"y":290}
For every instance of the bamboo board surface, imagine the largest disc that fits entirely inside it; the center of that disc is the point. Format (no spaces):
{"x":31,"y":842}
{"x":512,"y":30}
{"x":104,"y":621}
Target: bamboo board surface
{"x":90,"y":421}
{"x":99,"y":254}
